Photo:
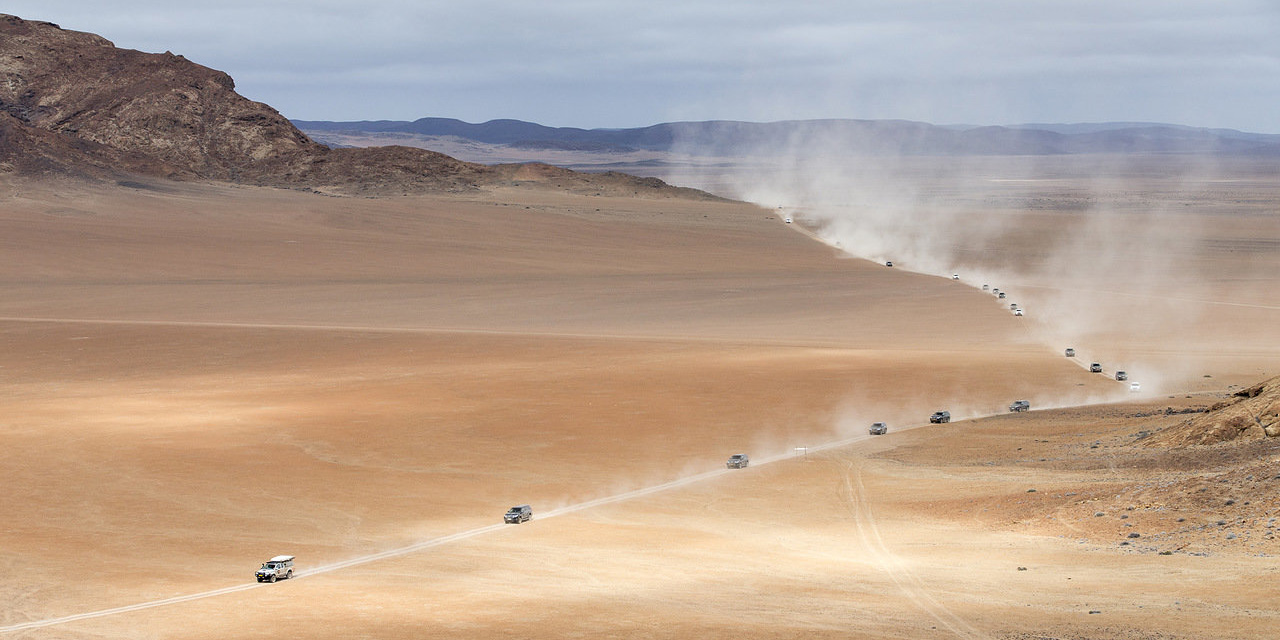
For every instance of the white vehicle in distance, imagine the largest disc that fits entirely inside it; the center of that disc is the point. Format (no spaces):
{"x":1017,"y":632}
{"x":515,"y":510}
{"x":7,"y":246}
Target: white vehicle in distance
{"x":737,"y":461}
{"x":878,"y":429}
{"x":1017,"y":312}
{"x":986,"y":287}
{"x":1135,"y":387}
{"x":955,"y":276}
{"x":1071,"y":353}
{"x":787,"y":219}
{"x":277,"y":568}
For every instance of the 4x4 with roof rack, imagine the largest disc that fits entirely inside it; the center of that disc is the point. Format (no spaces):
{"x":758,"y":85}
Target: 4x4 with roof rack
{"x":277,"y":568}
{"x":1020,"y":406}
{"x":940,"y":417}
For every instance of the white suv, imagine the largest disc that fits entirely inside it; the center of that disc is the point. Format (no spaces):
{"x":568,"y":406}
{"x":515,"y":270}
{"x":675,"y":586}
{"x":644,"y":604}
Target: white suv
{"x":277,"y":568}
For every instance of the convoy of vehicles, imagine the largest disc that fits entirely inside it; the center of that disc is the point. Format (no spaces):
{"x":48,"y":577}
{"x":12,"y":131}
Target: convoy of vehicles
{"x":281,"y":567}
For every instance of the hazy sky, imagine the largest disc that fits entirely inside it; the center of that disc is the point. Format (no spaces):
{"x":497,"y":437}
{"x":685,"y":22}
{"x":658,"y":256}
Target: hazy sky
{"x":626,"y":63}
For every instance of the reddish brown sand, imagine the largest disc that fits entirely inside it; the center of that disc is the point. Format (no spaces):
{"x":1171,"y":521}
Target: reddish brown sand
{"x":196,"y":378}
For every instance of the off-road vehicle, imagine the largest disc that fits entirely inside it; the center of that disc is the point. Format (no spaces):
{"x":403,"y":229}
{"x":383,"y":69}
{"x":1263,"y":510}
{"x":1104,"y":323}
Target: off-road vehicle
{"x":1018,"y":311}
{"x":277,"y":568}
{"x":1000,"y":295}
{"x":878,"y":429}
{"x":888,"y":263}
{"x":1071,"y":353}
{"x":1095,"y":368}
{"x":1020,"y":406}
{"x":940,"y":417}
{"x":1122,"y":376}
{"x":737,"y":461}
{"x":518,"y":514}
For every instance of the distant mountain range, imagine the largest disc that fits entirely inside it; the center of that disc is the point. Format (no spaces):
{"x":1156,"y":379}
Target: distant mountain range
{"x":857,"y":137}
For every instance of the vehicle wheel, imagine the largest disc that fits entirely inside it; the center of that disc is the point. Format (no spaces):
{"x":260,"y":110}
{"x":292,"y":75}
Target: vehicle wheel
{"x":272,"y":579}
{"x":289,"y":575}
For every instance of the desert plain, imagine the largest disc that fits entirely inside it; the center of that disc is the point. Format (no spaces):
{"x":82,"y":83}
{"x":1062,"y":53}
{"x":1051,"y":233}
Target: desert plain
{"x":196,"y":377}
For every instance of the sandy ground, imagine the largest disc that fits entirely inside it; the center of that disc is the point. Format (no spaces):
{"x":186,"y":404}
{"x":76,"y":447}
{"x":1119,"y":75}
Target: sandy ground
{"x":196,"y":378}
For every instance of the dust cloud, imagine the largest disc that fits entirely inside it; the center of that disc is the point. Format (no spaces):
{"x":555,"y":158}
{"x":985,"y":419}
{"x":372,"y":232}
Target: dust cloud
{"x":1119,"y":256}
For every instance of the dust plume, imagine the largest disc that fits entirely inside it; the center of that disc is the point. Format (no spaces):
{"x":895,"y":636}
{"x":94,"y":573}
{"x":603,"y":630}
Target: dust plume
{"x":1118,"y":255}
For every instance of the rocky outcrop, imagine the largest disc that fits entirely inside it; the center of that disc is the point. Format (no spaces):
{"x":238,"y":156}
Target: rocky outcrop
{"x":1252,"y":413}
{"x":72,"y":103}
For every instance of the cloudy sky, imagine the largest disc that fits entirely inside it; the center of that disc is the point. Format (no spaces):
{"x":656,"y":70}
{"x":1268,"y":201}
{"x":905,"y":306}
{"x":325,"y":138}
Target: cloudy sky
{"x":626,"y":63}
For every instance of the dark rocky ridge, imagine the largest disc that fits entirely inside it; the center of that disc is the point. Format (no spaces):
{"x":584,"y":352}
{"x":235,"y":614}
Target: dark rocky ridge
{"x":71,"y":103}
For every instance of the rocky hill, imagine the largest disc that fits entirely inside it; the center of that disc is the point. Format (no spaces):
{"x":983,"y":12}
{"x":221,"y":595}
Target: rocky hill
{"x":71,"y":103}
{"x":1251,"y":414}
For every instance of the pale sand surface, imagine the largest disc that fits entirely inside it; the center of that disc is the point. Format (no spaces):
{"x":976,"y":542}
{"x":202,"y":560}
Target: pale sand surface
{"x":199,"y":378}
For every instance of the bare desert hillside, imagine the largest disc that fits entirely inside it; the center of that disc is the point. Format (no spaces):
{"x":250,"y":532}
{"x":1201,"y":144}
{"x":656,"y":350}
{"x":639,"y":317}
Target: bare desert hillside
{"x":200,"y":377}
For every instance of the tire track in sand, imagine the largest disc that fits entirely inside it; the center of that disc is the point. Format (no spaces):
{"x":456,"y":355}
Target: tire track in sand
{"x":945,"y":617}
{"x":854,"y":494}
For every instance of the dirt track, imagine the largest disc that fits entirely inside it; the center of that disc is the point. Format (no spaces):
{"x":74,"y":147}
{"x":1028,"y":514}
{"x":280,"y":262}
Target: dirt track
{"x":199,"y":379}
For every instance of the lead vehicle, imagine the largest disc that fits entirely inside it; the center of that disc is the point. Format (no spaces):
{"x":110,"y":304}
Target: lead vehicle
{"x":737,"y":461}
{"x":277,"y":568}
{"x":1020,"y":406}
{"x":878,"y":429}
{"x":940,"y":417}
